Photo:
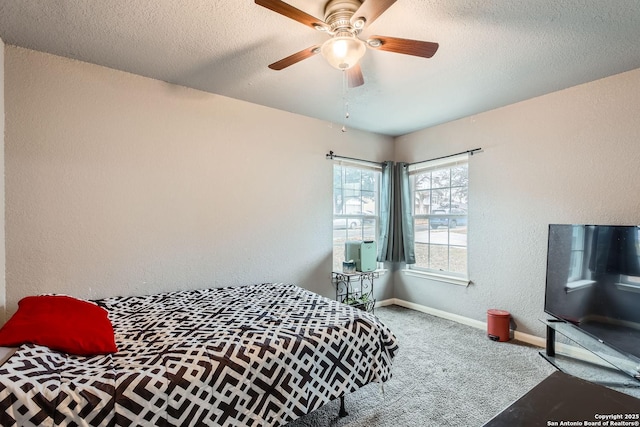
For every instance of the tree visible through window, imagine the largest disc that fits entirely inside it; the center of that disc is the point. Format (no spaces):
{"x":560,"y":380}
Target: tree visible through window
{"x":355,"y":207}
{"x":440,"y":203}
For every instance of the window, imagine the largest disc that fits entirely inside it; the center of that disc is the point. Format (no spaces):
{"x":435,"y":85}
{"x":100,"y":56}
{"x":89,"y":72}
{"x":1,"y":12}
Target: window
{"x":598,"y":252}
{"x":630,"y":281}
{"x":579,"y":275}
{"x":576,"y":267}
{"x":355,"y":207}
{"x":439,"y":191}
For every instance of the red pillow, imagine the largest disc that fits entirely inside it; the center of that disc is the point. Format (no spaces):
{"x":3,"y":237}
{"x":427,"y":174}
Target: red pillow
{"x":61,"y":323}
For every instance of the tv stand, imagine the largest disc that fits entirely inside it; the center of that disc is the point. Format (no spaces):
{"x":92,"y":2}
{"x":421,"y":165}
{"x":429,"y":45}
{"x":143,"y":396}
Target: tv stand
{"x":611,"y":357}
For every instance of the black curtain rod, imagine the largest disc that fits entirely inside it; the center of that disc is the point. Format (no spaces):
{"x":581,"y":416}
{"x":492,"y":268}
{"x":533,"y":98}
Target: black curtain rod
{"x":331,"y":156}
{"x":470,"y":152}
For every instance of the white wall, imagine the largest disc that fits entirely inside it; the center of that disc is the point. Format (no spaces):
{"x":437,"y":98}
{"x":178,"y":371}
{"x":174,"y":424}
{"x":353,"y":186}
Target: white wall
{"x":568,"y":157}
{"x":2,"y":249}
{"x":118,"y":185}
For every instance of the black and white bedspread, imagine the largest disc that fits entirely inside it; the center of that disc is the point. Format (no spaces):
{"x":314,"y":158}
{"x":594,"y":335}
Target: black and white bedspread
{"x":258,"y":355}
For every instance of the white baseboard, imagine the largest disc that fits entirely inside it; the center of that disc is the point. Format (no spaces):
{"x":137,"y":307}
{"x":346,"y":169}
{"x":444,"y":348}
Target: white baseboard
{"x":561,"y":348}
{"x":520,"y":336}
{"x":385,"y":302}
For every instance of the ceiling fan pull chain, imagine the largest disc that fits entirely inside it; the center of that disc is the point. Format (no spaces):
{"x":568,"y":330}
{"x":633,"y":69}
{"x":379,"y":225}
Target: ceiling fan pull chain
{"x":346,"y":116}
{"x":345,"y":97}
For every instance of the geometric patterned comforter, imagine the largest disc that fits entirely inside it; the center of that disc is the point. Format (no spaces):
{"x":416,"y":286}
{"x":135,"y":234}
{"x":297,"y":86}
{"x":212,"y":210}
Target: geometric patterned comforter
{"x":259,"y":355}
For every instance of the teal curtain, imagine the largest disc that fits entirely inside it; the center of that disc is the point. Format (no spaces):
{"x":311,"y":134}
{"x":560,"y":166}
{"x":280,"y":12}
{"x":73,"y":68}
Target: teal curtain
{"x":385,"y":231}
{"x":403,"y":250}
{"x":395,"y":216}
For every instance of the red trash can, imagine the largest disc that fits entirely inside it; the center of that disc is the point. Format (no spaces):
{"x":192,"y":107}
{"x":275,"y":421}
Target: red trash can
{"x":498,"y":325}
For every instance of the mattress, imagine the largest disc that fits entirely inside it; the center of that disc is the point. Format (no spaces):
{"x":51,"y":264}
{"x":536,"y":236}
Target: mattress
{"x":258,"y":355}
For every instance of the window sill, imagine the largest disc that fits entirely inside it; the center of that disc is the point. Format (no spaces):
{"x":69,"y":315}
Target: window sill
{"x":578,"y":284}
{"x":460,"y":281}
{"x":627,"y":287}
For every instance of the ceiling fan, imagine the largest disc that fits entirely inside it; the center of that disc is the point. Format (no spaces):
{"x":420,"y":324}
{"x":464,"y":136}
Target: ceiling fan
{"x":344,"y":20}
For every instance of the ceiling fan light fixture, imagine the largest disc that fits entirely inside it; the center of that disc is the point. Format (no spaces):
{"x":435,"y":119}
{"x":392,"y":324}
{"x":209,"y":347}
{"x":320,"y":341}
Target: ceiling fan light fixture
{"x":343,"y":51}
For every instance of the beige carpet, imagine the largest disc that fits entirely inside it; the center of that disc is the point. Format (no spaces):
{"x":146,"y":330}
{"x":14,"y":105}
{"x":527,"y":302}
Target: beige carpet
{"x":445,"y":374}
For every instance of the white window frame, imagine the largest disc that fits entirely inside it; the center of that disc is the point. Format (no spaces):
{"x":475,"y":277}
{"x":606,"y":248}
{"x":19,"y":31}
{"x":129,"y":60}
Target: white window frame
{"x":578,"y":273}
{"x":447,"y":276}
{"x":362,"y":217}
{"x":576,"y":269}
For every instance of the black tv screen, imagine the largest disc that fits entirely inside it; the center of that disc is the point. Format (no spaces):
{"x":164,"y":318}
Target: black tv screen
{"x":593,"y":281}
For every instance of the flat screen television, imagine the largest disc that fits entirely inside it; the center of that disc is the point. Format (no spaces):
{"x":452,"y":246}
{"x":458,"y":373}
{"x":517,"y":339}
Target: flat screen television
{"x":593,"y":282}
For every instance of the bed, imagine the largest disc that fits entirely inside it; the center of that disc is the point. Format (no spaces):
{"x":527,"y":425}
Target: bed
{"x":258,"y":355}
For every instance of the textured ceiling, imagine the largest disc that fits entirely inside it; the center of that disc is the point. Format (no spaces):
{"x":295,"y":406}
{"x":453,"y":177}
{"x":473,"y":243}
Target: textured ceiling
{"x":492,"y":52}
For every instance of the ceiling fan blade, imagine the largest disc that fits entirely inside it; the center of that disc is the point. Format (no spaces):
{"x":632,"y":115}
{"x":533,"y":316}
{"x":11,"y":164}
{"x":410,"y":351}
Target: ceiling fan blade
{"x":370,"y":10}
{"x":405,"y":46}
{"x":289,"y":11}
{"x":354,"y":76}
{"x":296,"y":57}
